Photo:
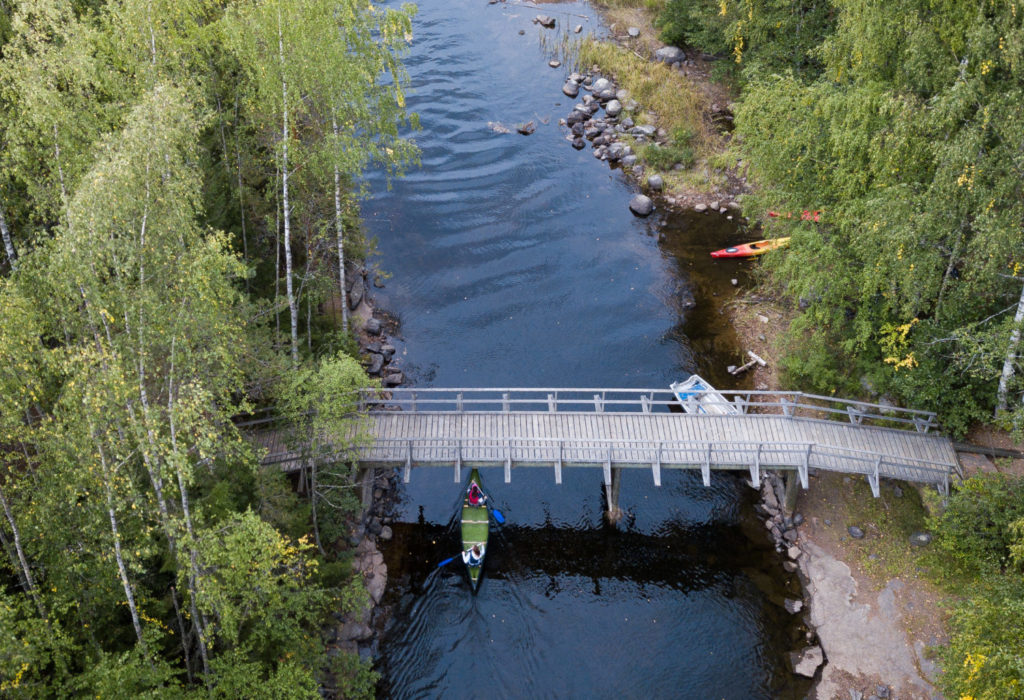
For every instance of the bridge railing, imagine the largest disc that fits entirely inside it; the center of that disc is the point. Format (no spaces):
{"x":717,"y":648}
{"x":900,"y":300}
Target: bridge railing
{"x":787,"y":403}
{"x":706,"y":455}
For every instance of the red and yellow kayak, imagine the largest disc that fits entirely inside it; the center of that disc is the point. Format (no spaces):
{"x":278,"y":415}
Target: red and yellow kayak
{"x":749,"y":250}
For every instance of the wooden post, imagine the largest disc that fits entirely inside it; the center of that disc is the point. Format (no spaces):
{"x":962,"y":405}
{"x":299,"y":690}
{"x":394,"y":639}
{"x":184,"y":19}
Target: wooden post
{"x":656,"y":466}
{"x":614,"y":513}
{"x":366,"y":478}
{"x":792,"y":490}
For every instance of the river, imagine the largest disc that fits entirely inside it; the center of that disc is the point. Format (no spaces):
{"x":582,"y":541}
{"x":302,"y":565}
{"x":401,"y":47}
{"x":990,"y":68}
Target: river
{"x":515,"y":261}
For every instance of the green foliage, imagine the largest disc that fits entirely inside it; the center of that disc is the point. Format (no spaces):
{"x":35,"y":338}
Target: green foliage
{"x":252,"y":582}
{"x":676,"y":152}
{"x":765,"y":35}
{"x":979,"y":527}
{"x":910,"y":152}
{"x":238,"y":677}
{"x":985,"y":655}
{"x":129,"y":127}
{"x":355,"y":678}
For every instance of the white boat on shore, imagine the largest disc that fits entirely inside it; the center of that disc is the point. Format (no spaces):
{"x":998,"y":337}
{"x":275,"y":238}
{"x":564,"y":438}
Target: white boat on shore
{"x":696,"y":395}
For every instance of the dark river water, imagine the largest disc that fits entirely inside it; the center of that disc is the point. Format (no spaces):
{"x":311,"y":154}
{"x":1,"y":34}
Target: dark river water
{"x":515,"y":261}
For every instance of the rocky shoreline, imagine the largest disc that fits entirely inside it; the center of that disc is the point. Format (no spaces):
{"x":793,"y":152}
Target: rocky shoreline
{"x":358,"y":632}
{"x":601,"y":117}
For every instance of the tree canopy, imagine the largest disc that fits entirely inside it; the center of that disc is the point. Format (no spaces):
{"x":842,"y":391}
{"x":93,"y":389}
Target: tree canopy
{"x":145,"y":550}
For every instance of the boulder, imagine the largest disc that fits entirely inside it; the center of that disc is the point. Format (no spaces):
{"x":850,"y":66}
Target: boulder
{"x":920,"y":539}
{"x":670,"y":55}
{"x":806,"y":661}
{"x":616,"y":151}
{"x":600,"y":85}
{"x":545,"y":21}
{"x":393,"y":379}
{"x":355,"y":295}
{"x":386,"y":533}
{"x":571,"y":89}
{"x":372,"y":326}
{"x":641,"y":205}
{"x":554,"y":63}
{"x":577,"y":29}
{"x":855,"y":532}
{"x":376,"y":583}
{"x":700,"y":208}
{"x":387,"y":350}
{"x":578,"y":143}
{"x":355,"y":631}
{"x":633,"y":32}
{"x":629,"y":160}
{"x":376,"y":362}
{"x":655,"y":183}
{"x":613,"y":108}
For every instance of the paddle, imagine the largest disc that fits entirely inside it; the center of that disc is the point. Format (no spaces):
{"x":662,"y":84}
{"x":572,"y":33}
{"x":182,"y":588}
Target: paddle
{"x":494,"y":511}
{"x":449,"y":560}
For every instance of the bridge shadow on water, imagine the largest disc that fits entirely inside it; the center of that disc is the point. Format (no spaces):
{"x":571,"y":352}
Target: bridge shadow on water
{"x":581,"y":608}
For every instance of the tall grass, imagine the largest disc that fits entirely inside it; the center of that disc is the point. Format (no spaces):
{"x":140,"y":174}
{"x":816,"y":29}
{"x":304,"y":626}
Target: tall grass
{"x":658,"y":89}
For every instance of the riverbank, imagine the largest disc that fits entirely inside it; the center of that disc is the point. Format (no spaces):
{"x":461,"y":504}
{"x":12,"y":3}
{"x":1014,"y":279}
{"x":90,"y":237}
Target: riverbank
{"x":872,"y":612}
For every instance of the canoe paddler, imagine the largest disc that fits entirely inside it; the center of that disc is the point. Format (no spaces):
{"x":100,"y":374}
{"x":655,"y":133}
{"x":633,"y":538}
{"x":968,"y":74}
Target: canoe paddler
{"x":476,"y":496}
{"x":474,"y":556}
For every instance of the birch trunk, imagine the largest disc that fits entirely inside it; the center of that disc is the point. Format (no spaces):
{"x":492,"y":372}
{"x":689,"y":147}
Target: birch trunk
{"x":341,"y":236}
{"x":182,"y":632}
{"x":1009,"y":364}
{"x":25,"y":570}
{"x":241,"y":194}
{"x":292,"y":307}
{"x":198,"y":619}
{"x":122,"y":569}
{"x":8,"y":244}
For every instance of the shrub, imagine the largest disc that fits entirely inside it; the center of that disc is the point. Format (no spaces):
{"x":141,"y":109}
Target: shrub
{"x":976,"y":532}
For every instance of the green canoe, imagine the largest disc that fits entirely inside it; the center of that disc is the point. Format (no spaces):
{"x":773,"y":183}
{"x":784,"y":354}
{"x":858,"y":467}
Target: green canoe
{"x":475,"y":526}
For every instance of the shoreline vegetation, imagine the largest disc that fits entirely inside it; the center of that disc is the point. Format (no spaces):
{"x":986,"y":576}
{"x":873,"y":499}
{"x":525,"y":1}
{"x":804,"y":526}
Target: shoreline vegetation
{"x":905,"y":594}
{"x":178,"y":200}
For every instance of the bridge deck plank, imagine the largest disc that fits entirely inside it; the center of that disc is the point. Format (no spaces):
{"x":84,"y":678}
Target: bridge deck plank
{"x":486,"y":437}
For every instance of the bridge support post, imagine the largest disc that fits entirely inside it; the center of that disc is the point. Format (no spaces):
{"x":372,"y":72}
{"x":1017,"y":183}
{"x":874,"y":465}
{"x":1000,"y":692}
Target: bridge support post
{"x":792,"y":490}
{"x":614,"y":514}
{"x":365,"y":479}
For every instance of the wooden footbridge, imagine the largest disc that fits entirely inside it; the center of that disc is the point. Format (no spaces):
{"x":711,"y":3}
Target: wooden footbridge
{"x":613,"y":429}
